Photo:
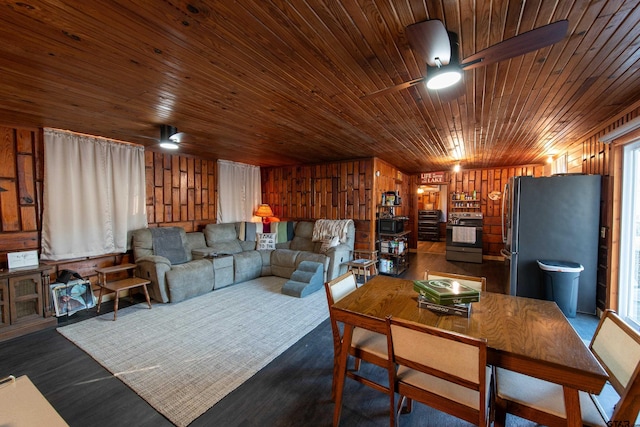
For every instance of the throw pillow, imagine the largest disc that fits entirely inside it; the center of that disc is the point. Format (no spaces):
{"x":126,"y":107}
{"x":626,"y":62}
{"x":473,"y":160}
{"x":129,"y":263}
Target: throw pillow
{"x":266,"y":241}
{"x":329,"y":243}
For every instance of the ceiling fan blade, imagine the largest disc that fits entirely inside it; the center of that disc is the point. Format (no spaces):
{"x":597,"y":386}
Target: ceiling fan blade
{"x":392,"y":89}
{"x":431,"y":40}
{"x":519,"y":45}
{"x":178,"y":137}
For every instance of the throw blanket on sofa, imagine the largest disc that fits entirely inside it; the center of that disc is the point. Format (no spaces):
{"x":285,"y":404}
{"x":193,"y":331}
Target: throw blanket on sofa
{"x":247,"y":230}
{"x":167,"y":242}
{"x":326,"y":228}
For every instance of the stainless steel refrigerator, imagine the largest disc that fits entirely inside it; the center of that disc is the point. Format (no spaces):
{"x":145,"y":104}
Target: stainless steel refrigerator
{"x":552,"y":218}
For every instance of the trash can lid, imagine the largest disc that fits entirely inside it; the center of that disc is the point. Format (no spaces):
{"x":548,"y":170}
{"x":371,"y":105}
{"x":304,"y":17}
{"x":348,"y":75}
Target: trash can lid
{"x":561,"y":266}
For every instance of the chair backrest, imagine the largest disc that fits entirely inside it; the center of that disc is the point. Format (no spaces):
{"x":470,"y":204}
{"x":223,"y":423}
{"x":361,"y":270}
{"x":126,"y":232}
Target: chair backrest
{"x":479,"y":283}
{"x":458,"y":361}
{"x":340,"y":287}
{"x":337,"y":289}
{"x":445,"y":354}
{"x":617,"y":346}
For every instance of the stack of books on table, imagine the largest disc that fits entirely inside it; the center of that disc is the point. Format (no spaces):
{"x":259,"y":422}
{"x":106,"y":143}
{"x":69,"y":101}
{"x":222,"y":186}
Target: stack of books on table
{"x":445,"y":296}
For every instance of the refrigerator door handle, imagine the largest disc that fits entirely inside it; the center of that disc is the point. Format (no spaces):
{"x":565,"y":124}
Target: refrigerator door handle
{"x":502,"y":213}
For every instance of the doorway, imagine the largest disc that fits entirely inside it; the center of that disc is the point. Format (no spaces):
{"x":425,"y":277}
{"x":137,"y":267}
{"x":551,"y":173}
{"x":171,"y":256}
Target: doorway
{"x":432,"y":212}
{"x":629,"y":296}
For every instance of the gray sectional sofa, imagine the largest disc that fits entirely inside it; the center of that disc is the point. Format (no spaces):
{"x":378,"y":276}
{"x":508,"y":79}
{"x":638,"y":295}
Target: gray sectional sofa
{"x":223,"y":254}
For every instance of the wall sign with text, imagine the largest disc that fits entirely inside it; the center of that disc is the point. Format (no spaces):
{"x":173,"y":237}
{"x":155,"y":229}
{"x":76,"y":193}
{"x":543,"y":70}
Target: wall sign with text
{"x":433,"y":178}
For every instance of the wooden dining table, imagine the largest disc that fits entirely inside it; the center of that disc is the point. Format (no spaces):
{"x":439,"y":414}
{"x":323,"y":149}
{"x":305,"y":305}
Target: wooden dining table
{"x":526,"y":335}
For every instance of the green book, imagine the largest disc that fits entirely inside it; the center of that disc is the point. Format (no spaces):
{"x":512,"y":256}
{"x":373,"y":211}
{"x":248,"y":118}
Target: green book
{"x":446,"y":291}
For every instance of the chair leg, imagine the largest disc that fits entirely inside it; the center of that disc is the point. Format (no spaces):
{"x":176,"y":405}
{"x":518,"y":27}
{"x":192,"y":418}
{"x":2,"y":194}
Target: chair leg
{"x":499,"y":414}
{"x":400,"y":409}
{"x":409,"y":406}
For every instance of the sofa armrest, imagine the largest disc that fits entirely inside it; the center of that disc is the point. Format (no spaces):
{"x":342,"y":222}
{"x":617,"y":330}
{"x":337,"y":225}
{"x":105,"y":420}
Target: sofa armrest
{"x":340,"y":248}
{"x":154,"y":268}
{"x":338,"y":256}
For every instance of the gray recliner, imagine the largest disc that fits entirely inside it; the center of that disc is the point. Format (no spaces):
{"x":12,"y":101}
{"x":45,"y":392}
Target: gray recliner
{"x":172,"y":282}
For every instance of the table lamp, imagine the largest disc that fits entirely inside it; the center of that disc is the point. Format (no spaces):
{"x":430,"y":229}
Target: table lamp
{"x":265,"y":212}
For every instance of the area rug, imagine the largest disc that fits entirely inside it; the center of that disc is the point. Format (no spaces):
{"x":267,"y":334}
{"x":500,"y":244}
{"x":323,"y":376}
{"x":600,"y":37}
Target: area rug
{"x":183,"y":358}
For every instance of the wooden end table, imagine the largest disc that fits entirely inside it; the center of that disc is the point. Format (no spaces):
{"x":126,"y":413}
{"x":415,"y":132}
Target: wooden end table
{"x":120,"y":285}
{"x":365,"y":264}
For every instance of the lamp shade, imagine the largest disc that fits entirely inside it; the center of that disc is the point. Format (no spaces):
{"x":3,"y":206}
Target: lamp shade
{"x":264,"y":210}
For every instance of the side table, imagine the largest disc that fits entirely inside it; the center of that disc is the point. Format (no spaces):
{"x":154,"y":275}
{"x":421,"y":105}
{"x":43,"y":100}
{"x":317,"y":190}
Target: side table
{"x":120,"y":285}
{"x":365,"y":264}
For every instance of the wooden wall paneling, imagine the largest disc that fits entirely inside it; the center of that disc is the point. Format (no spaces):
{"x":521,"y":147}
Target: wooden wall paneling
{"x":9,"y":206}
{"x":18,"y":241}
{"x":7,"y":152}
{"x":212,"y":192}
{"x":183,"y":190}
{"x":335,"y":190}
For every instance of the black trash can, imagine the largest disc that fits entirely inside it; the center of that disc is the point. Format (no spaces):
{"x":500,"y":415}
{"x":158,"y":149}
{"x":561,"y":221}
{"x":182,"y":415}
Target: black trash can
{"x":561,"y":279}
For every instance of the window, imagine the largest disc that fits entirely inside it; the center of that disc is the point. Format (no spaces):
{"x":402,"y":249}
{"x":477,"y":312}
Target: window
{"x":239,"y":191}
{"x":94,"y":195}
{"x":629,"y":303}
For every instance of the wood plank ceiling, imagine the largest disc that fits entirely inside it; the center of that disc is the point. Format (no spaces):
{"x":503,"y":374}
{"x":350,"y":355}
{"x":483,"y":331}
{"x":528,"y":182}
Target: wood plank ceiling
{"x":281,"y":82}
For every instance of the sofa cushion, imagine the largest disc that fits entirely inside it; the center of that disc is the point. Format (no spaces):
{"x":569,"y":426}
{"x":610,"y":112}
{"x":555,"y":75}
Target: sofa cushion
{"x":171,"y":243}
{"x":196,"y":240}
{"x":189,"y":280}
{"x":222,"y":238}
{"x":220,"y":233}
{"x":247,"y":266}
{"x":266,"y":263}
{"x":283,"y":262}
{"x":302,"y":239}
{"x":310,"y":256}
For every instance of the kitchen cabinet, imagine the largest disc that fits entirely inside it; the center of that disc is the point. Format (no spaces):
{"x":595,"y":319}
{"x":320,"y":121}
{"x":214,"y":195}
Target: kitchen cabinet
{"x":23,"y":301}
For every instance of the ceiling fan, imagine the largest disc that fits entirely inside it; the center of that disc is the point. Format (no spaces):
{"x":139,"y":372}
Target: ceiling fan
{"x":170,"y":138}
{"x":439,"y":48}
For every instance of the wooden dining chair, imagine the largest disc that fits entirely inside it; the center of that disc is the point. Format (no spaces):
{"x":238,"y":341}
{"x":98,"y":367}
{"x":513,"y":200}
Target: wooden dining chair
{"x":617,"y":347}
{"x":366,"y":344}
{"x":445,"y":370}
{"x":479,"y":283}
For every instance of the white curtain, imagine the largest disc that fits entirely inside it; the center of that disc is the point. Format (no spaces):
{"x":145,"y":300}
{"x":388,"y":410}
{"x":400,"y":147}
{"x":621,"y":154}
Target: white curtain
{"x":239,"y":191}
{"x":94,"y":195}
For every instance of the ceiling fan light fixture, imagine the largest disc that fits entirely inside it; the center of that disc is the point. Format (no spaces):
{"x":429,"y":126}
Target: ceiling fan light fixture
{"x":166,"y":137}
{"x":443,"y":76}
{"x":169,"y":145}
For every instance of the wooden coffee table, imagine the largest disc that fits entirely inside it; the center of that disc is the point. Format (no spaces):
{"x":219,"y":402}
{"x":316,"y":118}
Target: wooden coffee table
{"x":120,"y":285}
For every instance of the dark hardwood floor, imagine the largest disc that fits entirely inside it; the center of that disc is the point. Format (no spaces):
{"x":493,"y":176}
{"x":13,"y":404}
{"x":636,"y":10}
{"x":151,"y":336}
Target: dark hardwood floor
{"x":293,"y":390}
